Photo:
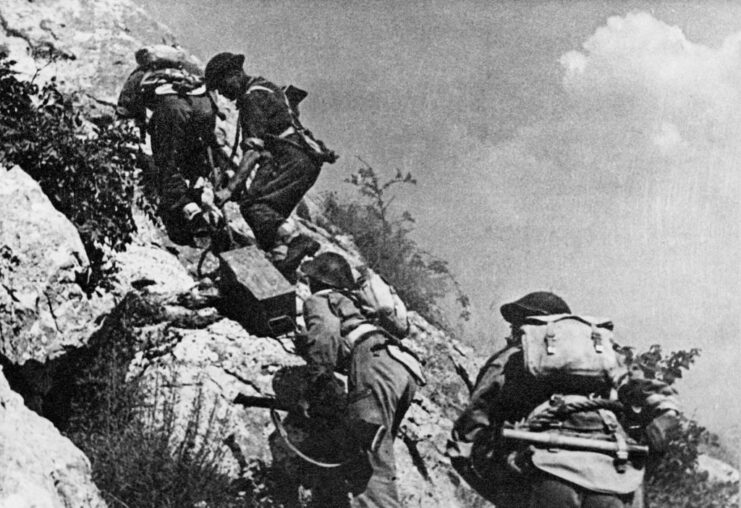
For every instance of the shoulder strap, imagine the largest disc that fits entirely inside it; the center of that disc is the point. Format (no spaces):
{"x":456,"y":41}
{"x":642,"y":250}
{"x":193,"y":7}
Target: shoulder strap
{"x":258,"y":88}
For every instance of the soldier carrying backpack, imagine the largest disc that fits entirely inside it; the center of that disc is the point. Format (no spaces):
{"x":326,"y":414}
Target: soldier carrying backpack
{"x":382,"y":374}
{"x":269,"y":123}
{"x":543,"y":428}
{"x":167,"y":96}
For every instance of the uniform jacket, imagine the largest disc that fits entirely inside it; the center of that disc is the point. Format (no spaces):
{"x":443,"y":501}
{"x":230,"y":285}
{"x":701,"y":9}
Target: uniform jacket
{"x":264,"y":113}
{"x":506,"y":392}
{"x":181,"y":129}
{"x":329,"y":316}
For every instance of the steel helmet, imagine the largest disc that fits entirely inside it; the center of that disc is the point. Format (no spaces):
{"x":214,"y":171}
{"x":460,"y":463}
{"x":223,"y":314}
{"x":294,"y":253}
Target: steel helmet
{"x":331,"y":269}
{"x":539,"y":303}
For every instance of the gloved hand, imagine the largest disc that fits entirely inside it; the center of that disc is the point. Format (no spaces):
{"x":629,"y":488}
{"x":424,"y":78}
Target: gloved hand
{"x":213,"y":217}
{"x":661,"y":430}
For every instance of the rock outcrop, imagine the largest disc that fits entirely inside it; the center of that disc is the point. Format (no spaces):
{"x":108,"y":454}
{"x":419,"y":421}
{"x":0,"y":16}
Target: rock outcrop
{"x":39,"y":467}
{"x":88,"y":45}
{"x":43,"y":311}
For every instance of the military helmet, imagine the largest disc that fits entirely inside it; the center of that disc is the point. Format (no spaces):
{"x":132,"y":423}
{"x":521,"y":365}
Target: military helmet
{"x":220,"y":65}
{"x":539,"y":303}
{"x":331,"y":269}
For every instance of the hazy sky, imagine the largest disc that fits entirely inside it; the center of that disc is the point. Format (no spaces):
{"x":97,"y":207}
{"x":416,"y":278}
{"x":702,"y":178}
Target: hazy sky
{"x":590,"y":148}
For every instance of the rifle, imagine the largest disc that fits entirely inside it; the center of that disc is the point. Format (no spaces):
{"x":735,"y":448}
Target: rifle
{"x":274,"y":406}
{"x":261,"y":402}
{"x":554,"y":440}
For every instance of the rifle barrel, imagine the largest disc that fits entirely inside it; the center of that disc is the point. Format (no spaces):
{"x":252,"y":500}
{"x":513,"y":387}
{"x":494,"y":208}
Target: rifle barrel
{"x":258,"y":401}
{"x":580,"y":443}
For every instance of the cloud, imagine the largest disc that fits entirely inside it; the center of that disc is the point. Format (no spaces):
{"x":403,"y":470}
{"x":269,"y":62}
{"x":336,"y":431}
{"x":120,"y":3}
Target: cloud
{"x":626,"y":201}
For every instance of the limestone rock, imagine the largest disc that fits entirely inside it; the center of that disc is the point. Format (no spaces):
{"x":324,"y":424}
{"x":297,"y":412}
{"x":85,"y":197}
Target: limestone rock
{"x":88,"y":45}
{"x":717,"y":470}
{"x":43,"y":311}
{"x":39,"y":466}
{"x":200,"y":371}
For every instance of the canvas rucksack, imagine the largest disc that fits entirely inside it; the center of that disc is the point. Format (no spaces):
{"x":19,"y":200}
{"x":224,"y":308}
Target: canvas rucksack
{"x":563,"y":346}
{"x":162,"y":70}
{"x":380,"y":302}
{"x":292,"y":96}
{"x":166,"y":81}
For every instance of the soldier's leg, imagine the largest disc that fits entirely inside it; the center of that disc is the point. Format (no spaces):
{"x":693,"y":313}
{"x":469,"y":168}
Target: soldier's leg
{"x":277,"y":188}
{"x":596,"y":500}
{"x":550,"y":492}
{"x":381,"y":391}
{"x":294,"y":173}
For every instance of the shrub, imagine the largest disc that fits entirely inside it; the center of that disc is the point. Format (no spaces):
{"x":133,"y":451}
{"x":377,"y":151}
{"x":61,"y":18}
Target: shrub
{"x":383,"y":238}
{"x":673,"y":481}
{"x":87,"y":173}
{"x":139,"y":454}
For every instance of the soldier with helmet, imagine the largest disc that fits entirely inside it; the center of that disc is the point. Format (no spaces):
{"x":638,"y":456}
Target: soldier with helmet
{"x":381,"y":381}
{"x":508,"y":392}
{"x":268,"y":119}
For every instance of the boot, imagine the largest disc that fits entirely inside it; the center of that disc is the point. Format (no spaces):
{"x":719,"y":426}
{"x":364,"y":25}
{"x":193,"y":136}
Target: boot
{"x":298,"y":249}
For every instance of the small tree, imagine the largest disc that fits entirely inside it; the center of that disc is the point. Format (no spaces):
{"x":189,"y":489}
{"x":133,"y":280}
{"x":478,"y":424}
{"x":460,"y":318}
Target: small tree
{"x":673,"y":480}
{"x":87,"y":173}
{"x":383,"y":238}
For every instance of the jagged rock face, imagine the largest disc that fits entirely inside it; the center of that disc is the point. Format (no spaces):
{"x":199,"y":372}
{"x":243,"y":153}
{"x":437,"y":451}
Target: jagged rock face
{"x":201,"y":369}
{"x":88,"y":44}
{"x":717,"y":470}
{"x":42,"y":310}
{"x":39,"y":467}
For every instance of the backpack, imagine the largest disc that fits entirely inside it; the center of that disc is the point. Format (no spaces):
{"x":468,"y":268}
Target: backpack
{"x":162,"y":70}
{"x":170,"y":81}
{"x":565,"y":346}
{"x":380,"y":302}
{"x":292,"y":96}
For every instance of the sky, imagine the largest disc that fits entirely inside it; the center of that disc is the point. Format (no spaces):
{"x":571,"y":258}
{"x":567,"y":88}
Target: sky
{"x":588,"y":148}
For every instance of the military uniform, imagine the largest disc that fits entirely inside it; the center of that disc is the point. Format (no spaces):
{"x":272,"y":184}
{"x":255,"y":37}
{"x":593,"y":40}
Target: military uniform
{"x":505,"y":391}
{"x":181,"y":130}
{"x":380,"y":388}
{"x":267,"y":123}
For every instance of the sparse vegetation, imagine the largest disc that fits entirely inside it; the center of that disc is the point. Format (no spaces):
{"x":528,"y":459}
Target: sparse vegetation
{"x":672,"y":481}
{"x":88,"y":173}
{"x":130,"y":438}
{"x":384,"y":240}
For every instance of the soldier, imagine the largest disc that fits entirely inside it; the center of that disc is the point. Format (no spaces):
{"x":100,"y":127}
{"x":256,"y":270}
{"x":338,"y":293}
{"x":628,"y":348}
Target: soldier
{"x":268,"y":119}
{"x":513,"y":474}
{"x":181,"y":128}
{"x":382,"y":378}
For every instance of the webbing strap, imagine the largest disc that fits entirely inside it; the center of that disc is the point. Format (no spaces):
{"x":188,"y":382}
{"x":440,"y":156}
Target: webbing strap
{"x":275,"y":417}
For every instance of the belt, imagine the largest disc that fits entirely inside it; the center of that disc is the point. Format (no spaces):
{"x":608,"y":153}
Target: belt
{"x":361,"y":331}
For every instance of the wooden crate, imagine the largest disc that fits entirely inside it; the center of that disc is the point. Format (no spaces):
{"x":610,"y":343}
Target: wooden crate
{"x":255,"y":293}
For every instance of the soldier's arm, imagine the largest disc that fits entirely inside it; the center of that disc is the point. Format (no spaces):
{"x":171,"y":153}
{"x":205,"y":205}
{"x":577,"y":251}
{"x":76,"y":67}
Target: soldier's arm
{"x":319,"y":346}
{"x":475,"y":418}
{"x":653,"y":396}
{"x":658,"y":402}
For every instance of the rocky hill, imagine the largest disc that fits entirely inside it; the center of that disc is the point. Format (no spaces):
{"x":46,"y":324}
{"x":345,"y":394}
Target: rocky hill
{"x":179,"y":347}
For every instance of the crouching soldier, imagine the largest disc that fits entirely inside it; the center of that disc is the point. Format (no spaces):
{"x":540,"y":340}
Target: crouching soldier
{"x":542,"y":430}
{"x":268,"y":120}
{"x":382,"y":375}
